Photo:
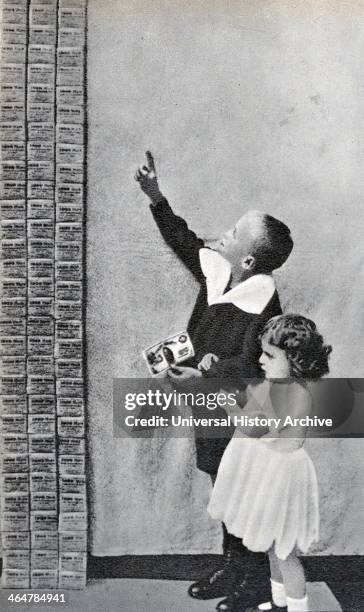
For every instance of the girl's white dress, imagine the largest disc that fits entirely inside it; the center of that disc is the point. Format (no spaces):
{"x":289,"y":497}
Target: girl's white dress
{"x":265,"y":496}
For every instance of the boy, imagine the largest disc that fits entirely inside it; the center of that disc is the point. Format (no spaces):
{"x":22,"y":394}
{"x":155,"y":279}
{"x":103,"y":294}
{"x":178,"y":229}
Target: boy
{"x":237,"y":297}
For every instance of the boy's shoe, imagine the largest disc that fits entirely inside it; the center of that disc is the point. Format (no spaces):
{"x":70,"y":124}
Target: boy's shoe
{"x":219,"y":582}
{"x":239,"y":599}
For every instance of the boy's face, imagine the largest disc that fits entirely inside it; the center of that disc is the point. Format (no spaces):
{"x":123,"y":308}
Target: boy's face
{"x":238,"y":243}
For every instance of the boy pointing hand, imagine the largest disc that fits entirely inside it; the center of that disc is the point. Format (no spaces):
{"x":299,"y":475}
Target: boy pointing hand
{"x":147,"y":178}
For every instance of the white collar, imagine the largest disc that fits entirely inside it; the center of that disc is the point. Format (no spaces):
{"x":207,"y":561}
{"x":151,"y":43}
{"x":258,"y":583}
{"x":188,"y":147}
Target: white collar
{"x":250,"y":296}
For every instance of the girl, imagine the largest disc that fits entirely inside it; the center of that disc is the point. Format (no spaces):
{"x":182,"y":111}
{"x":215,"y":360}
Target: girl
{"x":266,"y":487}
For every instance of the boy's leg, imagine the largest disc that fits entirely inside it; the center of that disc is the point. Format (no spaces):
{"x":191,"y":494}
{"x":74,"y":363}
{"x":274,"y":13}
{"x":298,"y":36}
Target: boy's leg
{"x":254,"y":585}
{"x":226,"y":577}
{"x":241,"y":572}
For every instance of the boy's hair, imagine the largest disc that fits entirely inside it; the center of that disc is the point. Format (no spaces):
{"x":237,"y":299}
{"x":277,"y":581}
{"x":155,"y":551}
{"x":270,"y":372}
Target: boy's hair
{"x":273,"y":249}
{"x":304,"y":346}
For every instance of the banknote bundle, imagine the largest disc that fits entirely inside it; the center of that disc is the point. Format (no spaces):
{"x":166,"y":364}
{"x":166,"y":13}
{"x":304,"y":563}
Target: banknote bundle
{"x":42,"y":139}
{"x":169,"y":352}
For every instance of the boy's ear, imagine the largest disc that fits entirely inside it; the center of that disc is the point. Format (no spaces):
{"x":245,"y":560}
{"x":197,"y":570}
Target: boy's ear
{"x":248,"y":263}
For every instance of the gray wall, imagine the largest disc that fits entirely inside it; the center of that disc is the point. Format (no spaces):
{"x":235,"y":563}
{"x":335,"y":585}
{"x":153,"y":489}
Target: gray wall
{"x":245,"y":105}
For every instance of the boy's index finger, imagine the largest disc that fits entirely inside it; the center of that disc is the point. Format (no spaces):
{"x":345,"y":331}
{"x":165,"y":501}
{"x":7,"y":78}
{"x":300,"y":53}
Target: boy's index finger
{"x":150,"y":161}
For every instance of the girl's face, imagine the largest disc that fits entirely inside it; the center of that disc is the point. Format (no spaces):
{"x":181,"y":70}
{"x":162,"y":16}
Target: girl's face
{"x":273,"y":361}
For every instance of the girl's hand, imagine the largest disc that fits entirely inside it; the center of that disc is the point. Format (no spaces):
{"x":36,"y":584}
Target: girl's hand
{"x":284,"y":445}
{"x":253,"y":431}
{"x":207,"y":361}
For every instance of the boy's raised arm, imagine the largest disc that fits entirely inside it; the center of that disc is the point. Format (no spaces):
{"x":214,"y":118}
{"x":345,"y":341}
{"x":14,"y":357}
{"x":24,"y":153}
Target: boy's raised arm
{"x":174,"y":229}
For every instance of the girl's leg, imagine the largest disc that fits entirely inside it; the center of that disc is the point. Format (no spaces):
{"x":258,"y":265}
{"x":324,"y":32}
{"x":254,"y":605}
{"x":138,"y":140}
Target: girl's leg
{"x":278,"y":590}
{"x":294,"y":582}
{"x":277,"y":586}
{"x":275,"y":571}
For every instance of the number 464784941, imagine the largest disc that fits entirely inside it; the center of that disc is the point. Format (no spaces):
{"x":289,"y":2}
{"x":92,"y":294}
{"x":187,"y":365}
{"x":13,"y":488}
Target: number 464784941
{"x":37,"y":598}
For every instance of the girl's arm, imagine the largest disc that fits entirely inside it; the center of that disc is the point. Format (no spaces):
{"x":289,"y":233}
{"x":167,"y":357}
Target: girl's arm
{"x":244,"y":409}
{"x":237,"y":408}
{"x":289,"y":436}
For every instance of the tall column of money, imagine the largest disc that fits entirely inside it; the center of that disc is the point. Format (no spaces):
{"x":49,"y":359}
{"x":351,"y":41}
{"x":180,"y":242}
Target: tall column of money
{"x":41,"y":269}
{"x":70,"y":157}
{"x":14,"y":441}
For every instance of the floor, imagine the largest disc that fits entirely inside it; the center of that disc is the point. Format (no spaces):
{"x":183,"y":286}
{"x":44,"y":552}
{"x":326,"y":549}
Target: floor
{"x":343,"y":575}
{"x":127,"y":595}
{"x":159,"y":584}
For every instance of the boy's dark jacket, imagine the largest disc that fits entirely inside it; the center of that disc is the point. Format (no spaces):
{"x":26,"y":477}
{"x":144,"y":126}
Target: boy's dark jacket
{"x":222,"y":329}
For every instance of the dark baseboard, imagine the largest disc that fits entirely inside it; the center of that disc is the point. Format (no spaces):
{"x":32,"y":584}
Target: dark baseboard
{"x":189,"y":567}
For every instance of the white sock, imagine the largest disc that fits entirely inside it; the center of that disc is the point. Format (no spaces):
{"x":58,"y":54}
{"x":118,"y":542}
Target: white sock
{"x":297,"y":605}
{"x":278,"y":596}
{"x":278,"y":593}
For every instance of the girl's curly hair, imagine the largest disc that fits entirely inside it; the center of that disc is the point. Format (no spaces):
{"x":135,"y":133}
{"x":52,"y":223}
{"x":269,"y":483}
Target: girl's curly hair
{"x":302,"y":343}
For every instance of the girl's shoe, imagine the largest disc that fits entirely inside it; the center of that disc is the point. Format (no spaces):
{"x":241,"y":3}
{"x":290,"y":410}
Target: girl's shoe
{"x":236,"y":602}
{"x":273,"y":607}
